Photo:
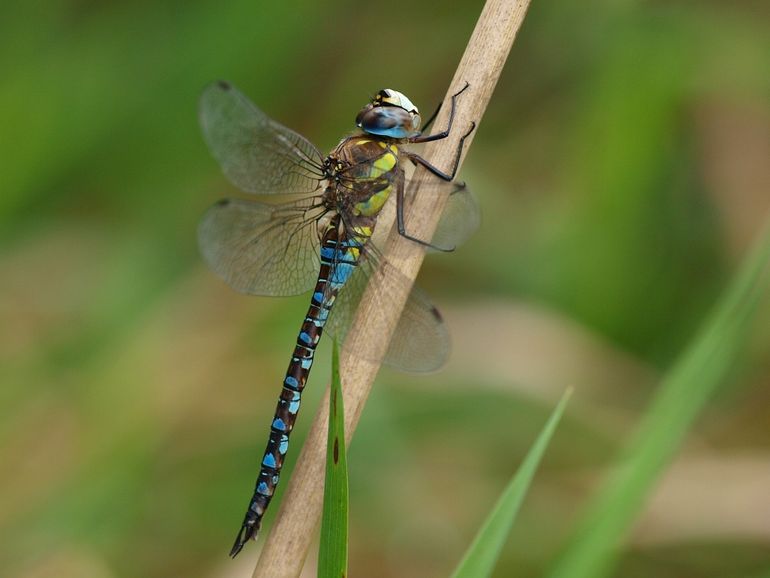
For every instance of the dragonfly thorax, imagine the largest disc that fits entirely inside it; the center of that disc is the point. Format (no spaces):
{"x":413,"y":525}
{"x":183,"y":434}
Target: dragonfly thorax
{"x":360,"y":175}
{"x":390,"y":114}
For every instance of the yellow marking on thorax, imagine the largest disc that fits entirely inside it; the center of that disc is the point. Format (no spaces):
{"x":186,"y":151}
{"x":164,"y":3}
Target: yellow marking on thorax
{"x":355,"y":252}
{"x":362,"y":234}
{"x":373,"y":205}
{"x":382,"y":166}
{"x":385,"y":163}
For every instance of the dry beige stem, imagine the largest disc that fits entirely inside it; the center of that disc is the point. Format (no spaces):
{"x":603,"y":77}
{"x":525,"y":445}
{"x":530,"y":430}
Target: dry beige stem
{"x":292,"y":532}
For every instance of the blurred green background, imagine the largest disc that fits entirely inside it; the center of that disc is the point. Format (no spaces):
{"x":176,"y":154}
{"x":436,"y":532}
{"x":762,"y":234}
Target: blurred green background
{"x":623,"y":168}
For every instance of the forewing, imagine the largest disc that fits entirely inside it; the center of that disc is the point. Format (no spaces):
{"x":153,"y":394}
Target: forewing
{"x":256,"y":153}
{"x":262,"y":249}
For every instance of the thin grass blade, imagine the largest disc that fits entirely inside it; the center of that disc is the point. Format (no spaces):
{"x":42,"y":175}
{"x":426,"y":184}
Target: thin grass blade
{"x":333,"y":553}
{"x":482,"y":555}
{"x":683,"y":393}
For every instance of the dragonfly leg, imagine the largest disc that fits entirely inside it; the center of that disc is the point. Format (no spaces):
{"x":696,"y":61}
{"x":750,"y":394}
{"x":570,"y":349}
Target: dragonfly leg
{"x":400,"y":201}
{"x":418,"y":160}
{"x":435,"y":114}
{"x":444,"y":133}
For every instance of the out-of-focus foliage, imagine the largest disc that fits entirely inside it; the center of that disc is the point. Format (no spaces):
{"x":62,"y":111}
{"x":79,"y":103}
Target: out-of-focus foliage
{"x":481,"y":557}
{"x":622,"y":169}
{"x":679,"y":401}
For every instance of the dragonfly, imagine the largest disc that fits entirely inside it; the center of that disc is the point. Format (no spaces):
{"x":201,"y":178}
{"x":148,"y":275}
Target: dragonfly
{"x":314,"y":226}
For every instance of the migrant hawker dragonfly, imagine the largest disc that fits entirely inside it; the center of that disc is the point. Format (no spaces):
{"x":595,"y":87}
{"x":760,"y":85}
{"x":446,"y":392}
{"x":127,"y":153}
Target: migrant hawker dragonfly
{"x":323,"y":233}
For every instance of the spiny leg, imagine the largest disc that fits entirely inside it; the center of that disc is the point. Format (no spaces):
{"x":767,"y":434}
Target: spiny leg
{"x":418,"y":160}
{"x":444,"y":133}
{"x":435,"y":114}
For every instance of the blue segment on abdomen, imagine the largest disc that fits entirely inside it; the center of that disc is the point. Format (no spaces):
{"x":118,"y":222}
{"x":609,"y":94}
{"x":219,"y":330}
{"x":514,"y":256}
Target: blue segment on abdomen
{"x":341,"y":273}
{"x":339,"y":254}
{"x":323,"y":314}
{"x":268,"y":461}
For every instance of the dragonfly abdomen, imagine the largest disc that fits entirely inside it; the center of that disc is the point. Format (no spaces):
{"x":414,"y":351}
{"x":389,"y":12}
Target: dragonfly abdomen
{"x":339,"y":257}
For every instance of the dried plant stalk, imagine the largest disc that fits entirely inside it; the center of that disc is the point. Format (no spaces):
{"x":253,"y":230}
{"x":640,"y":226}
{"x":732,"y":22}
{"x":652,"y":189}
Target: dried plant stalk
{"x":292,"y":532}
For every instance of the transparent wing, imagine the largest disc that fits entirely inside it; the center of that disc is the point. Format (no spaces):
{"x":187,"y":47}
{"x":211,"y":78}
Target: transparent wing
{"x":459,"y":220}
{"x":263,"y":249}
{"x":256,"y":154}
{"x":420,"y":342}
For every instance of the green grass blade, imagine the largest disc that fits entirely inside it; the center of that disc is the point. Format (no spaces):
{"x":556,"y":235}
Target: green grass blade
{"x":683,"y":393}
{"x":333,"y":553}
{"x":482,"y":555}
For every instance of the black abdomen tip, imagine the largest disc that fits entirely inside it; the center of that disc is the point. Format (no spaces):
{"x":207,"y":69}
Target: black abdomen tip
{"x":247,"y":532}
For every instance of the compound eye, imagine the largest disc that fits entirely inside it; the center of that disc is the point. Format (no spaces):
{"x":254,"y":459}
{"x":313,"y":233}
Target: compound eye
{"x":389,"y":121}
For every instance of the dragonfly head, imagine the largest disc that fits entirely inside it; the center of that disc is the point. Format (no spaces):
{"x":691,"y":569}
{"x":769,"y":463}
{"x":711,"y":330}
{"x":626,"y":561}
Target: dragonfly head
{"x":390,"y":114}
